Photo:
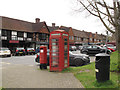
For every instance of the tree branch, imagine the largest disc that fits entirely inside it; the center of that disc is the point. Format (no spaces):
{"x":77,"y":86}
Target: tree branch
{"x":103,"y":20}
{"x":104,"y":5}
{"x":96,"y":9}
{"x":88,"y":9}
{"x":109,"y":13}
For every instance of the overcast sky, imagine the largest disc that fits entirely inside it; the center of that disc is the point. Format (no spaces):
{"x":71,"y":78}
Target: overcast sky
{"x":60,"y":12}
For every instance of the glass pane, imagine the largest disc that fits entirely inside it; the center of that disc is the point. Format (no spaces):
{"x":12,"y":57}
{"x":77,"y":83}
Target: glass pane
{"x":54,"y":50}
{"x":65,"y":48}
{"x":65,"y":43}
{"x":65,"y":65}
{"x":54,"y":54}
{"x":65,"y":39}
{"x":65,"y":61}
{"x":65,"y":54}
{"x":54,"y":43}
{"x":55,"y":58}
{"x":54,"y":40}
{"x":54,"y":47}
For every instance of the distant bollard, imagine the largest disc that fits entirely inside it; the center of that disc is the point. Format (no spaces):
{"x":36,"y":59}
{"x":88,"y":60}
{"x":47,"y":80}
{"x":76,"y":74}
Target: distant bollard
{"x":102,"y":67}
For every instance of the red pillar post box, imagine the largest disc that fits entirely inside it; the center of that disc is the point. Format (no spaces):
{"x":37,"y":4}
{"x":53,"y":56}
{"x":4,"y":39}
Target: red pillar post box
{"x":43,"y":57}
{"x":59,"y":50}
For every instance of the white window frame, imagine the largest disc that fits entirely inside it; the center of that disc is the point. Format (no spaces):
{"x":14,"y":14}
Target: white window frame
{"x":4,"y":37}
{"x":20,"y":38}
{"x":0,"y":32}
{"x":29,"y":39}
{"x":25,"y":35}
{"x":14,"y":33}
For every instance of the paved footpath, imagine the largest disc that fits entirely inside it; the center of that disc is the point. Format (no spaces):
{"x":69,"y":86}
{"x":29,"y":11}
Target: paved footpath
{"x":29,"y":76}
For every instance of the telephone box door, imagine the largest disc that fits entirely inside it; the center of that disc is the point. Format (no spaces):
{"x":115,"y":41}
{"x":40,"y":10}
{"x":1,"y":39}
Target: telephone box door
{"x":54,"y":53}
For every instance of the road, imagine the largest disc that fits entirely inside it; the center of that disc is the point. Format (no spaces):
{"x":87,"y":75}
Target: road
{"x":24,"y":72}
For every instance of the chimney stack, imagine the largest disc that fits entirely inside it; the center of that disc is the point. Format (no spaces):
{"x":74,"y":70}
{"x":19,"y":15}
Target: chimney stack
{"x":53,"y":24}
{"x":37,"y":20}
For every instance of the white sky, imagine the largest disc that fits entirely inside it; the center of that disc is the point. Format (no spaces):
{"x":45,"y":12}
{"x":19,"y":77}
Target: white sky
{"x":52,"y":11}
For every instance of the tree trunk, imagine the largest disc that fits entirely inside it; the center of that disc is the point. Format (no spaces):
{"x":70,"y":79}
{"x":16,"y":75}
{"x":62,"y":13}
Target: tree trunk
{"x":118,"y":48}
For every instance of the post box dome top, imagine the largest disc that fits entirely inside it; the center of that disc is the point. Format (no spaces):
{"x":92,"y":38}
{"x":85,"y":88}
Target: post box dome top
{"x":43,"y":46}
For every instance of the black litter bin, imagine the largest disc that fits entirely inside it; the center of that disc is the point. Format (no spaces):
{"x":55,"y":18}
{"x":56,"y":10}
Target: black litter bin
{"x":102,"y":67}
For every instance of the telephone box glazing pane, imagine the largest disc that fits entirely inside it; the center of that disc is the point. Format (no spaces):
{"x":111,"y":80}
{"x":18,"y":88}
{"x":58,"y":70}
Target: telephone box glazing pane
{"x":54,"y":54}
{"x":55,"y":50}
{"x":55,"y":43}
{"x":54,"y":47}
{"x":54,"y":40}
{"x":54,"y":58}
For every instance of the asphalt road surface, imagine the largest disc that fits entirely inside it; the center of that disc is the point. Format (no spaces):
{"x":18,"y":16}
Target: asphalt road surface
{"x":24,"y":72}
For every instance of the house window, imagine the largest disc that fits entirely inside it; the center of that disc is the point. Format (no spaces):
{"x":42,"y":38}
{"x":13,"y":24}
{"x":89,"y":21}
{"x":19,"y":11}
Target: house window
{"x":29,"y":39}
{"x":20,"y":34}
{"x":14,"y":35}
{"x":4,"y":33}
{"x":29,"y":35}
{"x":72,"y":37}
{"x":4,"y":38}
{"x":82,"y":39}
{"x":43,"y":26}
{"x":69,"y":37}
{"x":20,"y":38}
{"x":42,"y":36}
{"x":90,"y":39}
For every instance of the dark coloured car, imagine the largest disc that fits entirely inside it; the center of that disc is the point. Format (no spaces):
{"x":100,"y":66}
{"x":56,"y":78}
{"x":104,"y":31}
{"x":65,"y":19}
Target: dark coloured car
{"x":18,"y":51}
{"x":30,"y":51}
{"x":74,"y":59}
{"x":93,"y":50}
{"x":78,"y":59}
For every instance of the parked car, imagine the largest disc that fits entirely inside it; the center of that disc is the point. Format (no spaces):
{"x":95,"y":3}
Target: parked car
{"x":5,"y":52}
{"x":109,"y":49}
{"x":110,"y":46}
{"x":72,"y":48}
{"x":80,"y":47}
{"x":93,"y":50}
{"x":78,"y":59}
{"x":18,"y":51}
{"x":30,"y":51}
{"x":74,"y":59}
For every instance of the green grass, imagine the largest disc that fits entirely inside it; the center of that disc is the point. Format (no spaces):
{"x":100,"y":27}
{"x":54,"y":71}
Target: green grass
{"x":87,"y":76}
{"x":2,"y":88}
{"x":114,"y":61}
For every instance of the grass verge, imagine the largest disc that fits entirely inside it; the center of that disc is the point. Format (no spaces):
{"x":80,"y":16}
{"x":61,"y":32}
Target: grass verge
{"x":87,"y":76}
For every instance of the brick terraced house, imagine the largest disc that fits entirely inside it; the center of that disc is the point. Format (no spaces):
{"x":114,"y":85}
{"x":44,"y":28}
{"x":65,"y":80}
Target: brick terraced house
{"x":19,"y":33}
{"x":70,"y":32}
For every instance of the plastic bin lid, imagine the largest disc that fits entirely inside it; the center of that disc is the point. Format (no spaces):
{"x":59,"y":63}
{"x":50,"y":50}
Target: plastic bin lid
{"x":102,"y":54}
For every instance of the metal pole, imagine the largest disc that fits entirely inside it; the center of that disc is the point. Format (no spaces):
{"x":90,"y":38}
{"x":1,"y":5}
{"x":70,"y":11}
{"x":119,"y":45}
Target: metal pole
{"x":106,"y":41}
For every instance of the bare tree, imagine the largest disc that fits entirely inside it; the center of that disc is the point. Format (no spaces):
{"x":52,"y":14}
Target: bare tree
{"x":107,"y":11}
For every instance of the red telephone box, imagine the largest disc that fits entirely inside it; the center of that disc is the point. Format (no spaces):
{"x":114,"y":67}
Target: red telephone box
{"x":59,"y":50}
{"x":43,"y":57}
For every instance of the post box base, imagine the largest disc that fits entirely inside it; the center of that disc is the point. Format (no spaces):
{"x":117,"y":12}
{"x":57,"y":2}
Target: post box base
{"x":43,"y":66}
